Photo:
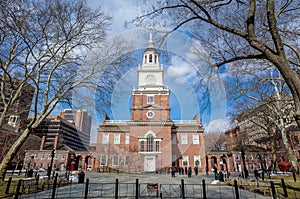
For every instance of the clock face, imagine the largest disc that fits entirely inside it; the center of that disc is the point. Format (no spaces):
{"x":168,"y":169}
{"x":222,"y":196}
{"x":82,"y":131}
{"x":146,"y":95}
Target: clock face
{"x":150,"y":114}
{"x":150,"y":78}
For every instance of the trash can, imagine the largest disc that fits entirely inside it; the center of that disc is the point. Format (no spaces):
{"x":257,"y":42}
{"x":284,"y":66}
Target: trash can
{"x":218,"y":176}
{"x":30,"y":173}
{"x":81,"y":177}
{"x":221,"y":176}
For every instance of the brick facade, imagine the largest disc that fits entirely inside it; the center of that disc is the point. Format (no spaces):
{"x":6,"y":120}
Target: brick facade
{"x":150,"y":141}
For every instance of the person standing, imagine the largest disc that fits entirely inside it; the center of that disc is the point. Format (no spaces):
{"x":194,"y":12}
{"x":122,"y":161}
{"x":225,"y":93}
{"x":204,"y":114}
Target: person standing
{"x":196,"y":170}
{"x":190,"y":172}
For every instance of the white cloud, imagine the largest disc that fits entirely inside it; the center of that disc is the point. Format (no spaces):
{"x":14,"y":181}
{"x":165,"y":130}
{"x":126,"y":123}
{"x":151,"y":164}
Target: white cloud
{"x":179,"y":70}
{"x":217,"y":126}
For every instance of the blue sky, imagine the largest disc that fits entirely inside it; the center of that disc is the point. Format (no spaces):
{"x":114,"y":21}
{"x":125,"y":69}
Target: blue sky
{"x":186,"y":57}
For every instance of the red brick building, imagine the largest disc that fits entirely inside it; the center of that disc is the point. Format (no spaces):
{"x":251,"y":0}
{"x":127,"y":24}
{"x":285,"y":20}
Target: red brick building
{"x":150,"y":141}
{"x":69,"y":142}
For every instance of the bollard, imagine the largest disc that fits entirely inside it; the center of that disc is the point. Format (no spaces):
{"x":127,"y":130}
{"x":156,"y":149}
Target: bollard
{"x":182,"y":189}
{"x":54,"y":186}
{"x":285,"y":194}
{"x":86,"y":188}
{"x":8,"y":185}
{"x":204,"y":189}
{"x":236,"y":188}
{"x":273,"y":190}
{"x":18,"y":189}
{"x":294,"y":176}
{"x":37,"y":180}
{"x":136,"y":188}
{"x":117,"y":189}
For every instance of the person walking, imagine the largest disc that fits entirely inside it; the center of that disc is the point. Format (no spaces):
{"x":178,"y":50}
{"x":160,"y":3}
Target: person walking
{"x":173,"y":172}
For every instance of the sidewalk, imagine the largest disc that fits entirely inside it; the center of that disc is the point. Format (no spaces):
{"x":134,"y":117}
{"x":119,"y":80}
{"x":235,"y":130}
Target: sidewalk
{"x":102,"y":186}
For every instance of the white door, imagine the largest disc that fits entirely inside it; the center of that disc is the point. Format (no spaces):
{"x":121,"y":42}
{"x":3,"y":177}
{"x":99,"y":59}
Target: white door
{"x":149,"y":163}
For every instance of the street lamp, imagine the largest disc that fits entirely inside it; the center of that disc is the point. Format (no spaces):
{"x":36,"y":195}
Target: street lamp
{"x":51,"y":163}
{"x":244,"y":163}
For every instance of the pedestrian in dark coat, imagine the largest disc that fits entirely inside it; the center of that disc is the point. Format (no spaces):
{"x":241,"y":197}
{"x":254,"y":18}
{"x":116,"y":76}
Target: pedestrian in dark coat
{"x":173,"y":172}
{"x":190,"y":172}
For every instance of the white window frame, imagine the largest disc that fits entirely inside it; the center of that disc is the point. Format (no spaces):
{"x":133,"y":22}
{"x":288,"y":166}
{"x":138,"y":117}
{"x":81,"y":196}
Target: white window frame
{"x":150,"y":99}
{"x":184,"y":139}
{"x":117,"y":138}
{"x":115,"y":158}
{"x":126,"y":160}
{"x":197,"y":157}
{"x":103,"y":157}
{"x":185,"y":158}
{"x":195,"y":138}
{"x":127,"y":138}
{"x":105,"y":138}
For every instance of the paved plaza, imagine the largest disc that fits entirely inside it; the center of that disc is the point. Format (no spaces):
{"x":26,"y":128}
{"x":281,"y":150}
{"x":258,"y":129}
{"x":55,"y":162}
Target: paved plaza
{"x":102,"y":185}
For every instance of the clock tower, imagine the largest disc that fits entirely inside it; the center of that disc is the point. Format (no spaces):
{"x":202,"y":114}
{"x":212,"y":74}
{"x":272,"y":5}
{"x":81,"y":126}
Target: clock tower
{"x":150,"y":101}
{"x":150,"y":141}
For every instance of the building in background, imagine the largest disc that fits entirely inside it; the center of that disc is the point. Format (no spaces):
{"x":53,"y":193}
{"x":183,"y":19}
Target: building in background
{"x":18,"y":112}
{"x":80,"y":118}
{"x":63,"y":138}
{"x":15,"y":119}
{"x":150,"y":141}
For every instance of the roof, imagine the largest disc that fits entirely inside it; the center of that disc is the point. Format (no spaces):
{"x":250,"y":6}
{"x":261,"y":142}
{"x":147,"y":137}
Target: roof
{"x":250,"y":148}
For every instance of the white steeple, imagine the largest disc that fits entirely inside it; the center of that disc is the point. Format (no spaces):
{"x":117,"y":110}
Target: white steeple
{"x":150,"y":42}
{"x":150,"y":74}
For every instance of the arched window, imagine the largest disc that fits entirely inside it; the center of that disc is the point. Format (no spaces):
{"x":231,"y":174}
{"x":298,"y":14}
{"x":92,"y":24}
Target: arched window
{"x":149,"y":143}
{"x":150,"y":58}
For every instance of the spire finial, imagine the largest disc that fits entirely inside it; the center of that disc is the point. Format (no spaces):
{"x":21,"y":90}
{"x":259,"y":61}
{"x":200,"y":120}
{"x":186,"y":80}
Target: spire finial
{"x":150,"y":42}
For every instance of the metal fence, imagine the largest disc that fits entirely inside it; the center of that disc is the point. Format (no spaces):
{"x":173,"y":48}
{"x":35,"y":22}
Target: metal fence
{"x":54,"y":189}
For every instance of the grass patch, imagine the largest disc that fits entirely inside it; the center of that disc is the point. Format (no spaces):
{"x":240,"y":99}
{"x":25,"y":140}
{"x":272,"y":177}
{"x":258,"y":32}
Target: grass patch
{"x":29,"y":185}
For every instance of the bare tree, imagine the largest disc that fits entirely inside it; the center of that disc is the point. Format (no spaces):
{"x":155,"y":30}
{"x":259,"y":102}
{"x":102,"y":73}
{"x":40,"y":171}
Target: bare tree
{"x":233,"y":30}
{"x":44,"y":44}
{"x":263,"y":106}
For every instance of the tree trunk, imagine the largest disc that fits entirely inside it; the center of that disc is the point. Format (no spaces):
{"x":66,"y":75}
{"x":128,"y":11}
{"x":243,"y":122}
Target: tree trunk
{"x":274,"y":155}
{"x":12,"y":152}
{"x":288,"y":148}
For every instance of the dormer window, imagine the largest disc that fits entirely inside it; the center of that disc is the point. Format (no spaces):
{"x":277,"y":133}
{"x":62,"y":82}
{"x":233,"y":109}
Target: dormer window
{"x":13,"y":120}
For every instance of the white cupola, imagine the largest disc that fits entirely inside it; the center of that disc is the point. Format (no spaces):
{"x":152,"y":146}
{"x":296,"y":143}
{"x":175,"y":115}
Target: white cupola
{"x":150,"y":73}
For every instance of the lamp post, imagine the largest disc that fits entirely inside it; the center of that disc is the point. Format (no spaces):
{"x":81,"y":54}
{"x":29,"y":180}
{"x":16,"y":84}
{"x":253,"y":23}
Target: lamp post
{"x":244,"y":163}
{"x":51,"y":163}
